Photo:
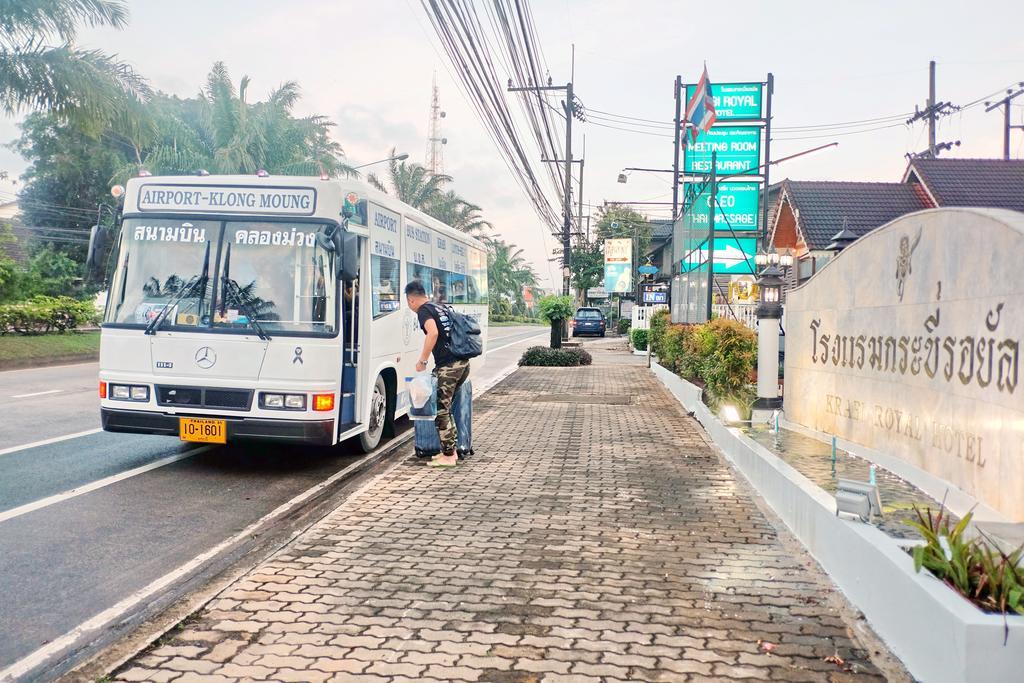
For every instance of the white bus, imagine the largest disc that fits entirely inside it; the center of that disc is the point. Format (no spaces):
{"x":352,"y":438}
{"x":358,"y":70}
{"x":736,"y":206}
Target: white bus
{"x":272,"y":308}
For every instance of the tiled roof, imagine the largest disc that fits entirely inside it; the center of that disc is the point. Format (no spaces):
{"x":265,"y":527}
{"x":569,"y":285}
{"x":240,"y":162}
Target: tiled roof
{"x":823,"y":206}
{"x":995,"y":183}
{"x":662,"y":230}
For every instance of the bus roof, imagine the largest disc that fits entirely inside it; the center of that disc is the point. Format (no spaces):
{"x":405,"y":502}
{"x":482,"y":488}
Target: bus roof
{"x":248,"y":196}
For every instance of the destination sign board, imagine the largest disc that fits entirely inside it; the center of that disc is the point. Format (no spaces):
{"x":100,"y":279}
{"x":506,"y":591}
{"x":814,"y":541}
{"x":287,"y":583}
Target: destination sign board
{"x":734,"y":101}
{"x":737,"y":207}
{"x":276,"y":201}
{"x":738,"y":149}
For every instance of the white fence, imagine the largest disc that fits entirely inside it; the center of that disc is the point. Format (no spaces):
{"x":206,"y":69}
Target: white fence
{"x":745,"y":313}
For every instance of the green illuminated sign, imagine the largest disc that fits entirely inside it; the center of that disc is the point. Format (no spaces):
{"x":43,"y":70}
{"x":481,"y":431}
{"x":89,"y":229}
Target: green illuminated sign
{"x":737,"y":207}
{"x":738,"y":148}
{"x":734,"y":101}
{"x":732,"y":255}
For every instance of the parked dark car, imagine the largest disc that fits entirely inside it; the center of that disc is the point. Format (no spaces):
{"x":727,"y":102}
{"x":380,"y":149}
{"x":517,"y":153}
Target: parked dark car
{"x":588,"y":321}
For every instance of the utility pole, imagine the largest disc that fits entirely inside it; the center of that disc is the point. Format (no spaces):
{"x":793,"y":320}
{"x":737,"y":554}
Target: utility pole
{"x":711,"y":233}
{"x":567,"y":222}
{"x":932,"y":111}
{"x":1007,"y":127}
{"x":569,"y":109}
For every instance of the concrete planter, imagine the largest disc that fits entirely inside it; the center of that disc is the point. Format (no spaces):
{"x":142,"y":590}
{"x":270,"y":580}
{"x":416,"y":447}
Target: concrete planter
{"x":938,"y":635}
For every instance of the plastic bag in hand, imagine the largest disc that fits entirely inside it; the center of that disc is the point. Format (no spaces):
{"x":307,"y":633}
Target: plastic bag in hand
{"x":420,"y":389}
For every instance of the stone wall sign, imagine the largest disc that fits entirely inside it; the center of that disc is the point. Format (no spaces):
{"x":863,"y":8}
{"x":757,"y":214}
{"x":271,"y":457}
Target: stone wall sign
{"x":909,"y":343}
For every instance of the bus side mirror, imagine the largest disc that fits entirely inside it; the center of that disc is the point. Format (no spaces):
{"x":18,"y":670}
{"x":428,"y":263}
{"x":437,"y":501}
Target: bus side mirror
{"x":348,"y":262}
{"x":97,"y":243}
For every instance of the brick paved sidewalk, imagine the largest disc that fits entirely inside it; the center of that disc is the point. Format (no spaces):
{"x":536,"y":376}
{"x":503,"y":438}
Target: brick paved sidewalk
{"x":592,"y":538}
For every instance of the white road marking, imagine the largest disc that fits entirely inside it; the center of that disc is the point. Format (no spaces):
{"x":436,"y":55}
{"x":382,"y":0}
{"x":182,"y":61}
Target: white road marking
{"x":95,"y":485}
{"x":38,"y":393}
{"x":54,"y":647}
{"x":515,"y":342}
{"x":45,"y":442}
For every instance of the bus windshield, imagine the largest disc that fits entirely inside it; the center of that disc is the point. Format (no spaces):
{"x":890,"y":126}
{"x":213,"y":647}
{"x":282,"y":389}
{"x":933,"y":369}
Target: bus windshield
{"x":275,"y":274}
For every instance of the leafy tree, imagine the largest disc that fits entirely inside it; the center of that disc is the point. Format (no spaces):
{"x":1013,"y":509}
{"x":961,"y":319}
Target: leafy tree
{"x":41,"y":69}
{"x":587,"y":267}
{"x":555,"y":310}
{"x":67,"y":178}
{"x":629,"y":223}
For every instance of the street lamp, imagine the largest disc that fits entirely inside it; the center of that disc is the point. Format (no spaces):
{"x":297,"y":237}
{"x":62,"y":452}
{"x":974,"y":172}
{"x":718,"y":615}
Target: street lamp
{"x":769,"y":315}
{"x":400,"y":157}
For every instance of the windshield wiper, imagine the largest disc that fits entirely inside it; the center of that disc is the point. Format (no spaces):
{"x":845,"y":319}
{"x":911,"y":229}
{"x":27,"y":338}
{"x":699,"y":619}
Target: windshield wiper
{"x":240,"y":296}
{"x":158,"y":320}
{"x":250,"y":311}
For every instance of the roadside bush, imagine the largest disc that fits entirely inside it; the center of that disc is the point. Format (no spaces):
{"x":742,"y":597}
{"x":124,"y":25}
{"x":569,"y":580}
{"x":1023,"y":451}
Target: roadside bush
{"x":639,"y":339}
{"x":727,"y":354}
{"x":542,"y":356}
{"x":42,"y":314}
{"x":623,"y":325}
{"x":659,"y":324}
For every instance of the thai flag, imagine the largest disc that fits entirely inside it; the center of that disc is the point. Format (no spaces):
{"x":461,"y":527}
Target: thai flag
{"x":700,"y":110}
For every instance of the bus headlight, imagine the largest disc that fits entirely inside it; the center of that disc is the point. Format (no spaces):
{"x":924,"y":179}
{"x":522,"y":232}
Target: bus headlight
{"x":128,"y":392}
{"x":283,"y":401}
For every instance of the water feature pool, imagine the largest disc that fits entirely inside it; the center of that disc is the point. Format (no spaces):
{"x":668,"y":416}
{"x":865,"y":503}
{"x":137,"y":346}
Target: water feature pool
{"x":813,"y":459}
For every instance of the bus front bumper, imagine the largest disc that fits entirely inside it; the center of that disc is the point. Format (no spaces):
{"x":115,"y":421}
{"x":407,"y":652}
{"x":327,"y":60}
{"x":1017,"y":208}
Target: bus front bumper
{"x":313,"y":432}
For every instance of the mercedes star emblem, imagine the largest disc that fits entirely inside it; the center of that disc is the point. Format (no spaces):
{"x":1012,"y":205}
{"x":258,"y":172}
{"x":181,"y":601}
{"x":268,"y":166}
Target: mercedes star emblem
{"x":206,"y":357}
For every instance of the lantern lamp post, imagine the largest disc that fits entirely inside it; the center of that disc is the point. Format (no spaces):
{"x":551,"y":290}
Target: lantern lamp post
{"x":769,"y":315}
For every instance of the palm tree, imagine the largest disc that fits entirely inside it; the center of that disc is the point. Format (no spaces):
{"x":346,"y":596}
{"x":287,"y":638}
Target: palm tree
{"x":222,"y":132}
{"x":86,"y":85}
{"x":411,"y":183}
{"x":508,"y":275}
{"x":453,"y":210}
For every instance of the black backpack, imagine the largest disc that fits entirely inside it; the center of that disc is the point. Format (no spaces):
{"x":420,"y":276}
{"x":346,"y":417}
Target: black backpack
{"x":464,"y":340}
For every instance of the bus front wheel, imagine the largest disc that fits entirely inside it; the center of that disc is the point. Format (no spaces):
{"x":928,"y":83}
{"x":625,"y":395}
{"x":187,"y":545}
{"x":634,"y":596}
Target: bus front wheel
{"x":377,"y":419}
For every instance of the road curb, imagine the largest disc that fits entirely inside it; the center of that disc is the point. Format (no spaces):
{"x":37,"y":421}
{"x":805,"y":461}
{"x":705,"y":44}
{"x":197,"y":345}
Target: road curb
{"x":29,"y":363}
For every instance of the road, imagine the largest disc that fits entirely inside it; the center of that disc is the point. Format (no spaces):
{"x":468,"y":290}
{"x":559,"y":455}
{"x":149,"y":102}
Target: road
{"x":90,"y":521}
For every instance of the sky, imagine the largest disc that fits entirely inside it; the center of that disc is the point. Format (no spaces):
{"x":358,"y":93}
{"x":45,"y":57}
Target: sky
{"x":368,"y":66}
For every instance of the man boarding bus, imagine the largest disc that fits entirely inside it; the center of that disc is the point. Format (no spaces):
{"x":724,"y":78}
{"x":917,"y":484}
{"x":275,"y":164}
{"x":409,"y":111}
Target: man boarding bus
{"x":270,"y":308}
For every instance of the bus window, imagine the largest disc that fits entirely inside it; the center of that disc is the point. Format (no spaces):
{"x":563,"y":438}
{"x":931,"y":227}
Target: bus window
{"x":439,"y":284}
{"x":277,"y":274}
{"x":385,"y":278}
{"x":159,"y":258}
{"x":457,"y":288}
{"x":477,"y":275}
{"x":425,"y":274}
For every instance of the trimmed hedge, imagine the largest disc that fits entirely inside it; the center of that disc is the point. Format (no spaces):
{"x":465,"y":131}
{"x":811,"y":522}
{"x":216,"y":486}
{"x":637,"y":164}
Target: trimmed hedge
{"x":623,"y":325}
{"x":721,"y":355}
{"x":542,"y":356}
{"x":42,"y":314}
{"x":639,"y":339}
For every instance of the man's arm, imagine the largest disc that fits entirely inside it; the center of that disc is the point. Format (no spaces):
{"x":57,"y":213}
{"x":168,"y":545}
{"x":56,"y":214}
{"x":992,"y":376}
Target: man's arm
{"x":430,"y":329}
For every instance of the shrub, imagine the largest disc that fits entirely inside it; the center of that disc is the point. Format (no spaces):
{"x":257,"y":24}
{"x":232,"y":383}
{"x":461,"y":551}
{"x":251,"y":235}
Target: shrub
{"x":554,"y":307}
{"x":990,"y":578}
{"x":42,"y":314}
{"x":659,"y":324}
{"x":623,"y":325}
{"x":545,"y":357}
{"x":727,"y":354}
{"x":639,"y":339}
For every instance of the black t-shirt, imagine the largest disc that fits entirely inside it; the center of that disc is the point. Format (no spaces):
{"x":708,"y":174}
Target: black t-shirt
{"x":442,"y":356}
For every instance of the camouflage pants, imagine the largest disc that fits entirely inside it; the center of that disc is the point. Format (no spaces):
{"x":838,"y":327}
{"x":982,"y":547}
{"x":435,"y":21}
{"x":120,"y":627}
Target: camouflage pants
{"x":449,"y":379}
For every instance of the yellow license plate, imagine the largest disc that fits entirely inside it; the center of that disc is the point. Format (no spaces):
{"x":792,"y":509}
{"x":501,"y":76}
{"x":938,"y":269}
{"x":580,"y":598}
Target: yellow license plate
{"x":203,"y":430}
